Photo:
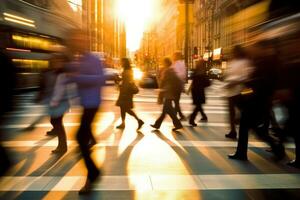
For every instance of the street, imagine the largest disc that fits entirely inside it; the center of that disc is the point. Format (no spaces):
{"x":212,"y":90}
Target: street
{"x":190,"y":164}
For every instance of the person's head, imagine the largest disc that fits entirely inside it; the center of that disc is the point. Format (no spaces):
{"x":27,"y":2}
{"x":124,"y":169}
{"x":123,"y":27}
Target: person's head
{"x":57,"y":62}
{"x":200,"y":67}
{"x":125,"y":63}
{"x":166,"y":62}
{"x":239,"y":52}
{"x":177,"y":56}
{"x":77,"y":41}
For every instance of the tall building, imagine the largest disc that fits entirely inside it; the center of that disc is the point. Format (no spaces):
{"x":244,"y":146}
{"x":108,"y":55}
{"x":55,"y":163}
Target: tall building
{"x":106,"y":32}
{"x":221,"y":24}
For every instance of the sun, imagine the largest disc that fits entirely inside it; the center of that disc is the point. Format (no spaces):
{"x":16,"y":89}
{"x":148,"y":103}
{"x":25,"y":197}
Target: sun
{"x":137,"y":16}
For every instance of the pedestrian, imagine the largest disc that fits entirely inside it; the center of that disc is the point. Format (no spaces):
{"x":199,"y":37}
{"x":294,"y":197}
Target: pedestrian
{"x":256,"y":102}
{"x":59,"y":103}
{"x":180,"y":70}
{"x":8,"y":80}
{"x":161,"y":72}
{"x":89,"y":78}
{"x":171,"y":86}
{"x":199,"y":82}
{"x":127,"y":89}
{"x":238,"y":72}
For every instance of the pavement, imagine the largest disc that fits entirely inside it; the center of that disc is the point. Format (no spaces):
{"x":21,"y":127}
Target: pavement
{"x":190,"y":164}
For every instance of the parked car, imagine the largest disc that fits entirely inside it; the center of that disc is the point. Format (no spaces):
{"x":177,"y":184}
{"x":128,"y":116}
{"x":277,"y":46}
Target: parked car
{"x":112,"y":74}
{"x":148,"y":80}
{"x":215,"y":73}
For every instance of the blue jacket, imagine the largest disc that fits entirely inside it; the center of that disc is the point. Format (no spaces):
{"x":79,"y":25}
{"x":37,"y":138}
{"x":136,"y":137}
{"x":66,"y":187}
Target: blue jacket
{"x":89,"y":79}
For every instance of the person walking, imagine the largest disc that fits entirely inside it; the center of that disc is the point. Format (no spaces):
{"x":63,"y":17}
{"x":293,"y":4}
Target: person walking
{"x":238,"y":72}
{"x":89,"y":78}
{"x":256,"y":102}
{"x":127,"y":90}
{"x":59,"y":103}
{"x":199,"y":82}
{"x":171,"y":86}
{"x":180,"y":70}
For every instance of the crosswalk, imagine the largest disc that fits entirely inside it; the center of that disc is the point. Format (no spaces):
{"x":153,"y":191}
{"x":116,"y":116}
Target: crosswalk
{"x":152,"y":165}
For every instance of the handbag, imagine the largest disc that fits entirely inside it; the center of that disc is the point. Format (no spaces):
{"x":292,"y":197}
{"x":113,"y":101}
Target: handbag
{"x":133,"y":88}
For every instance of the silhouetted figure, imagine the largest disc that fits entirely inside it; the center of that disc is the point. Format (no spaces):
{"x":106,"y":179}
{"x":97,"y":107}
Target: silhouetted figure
{"x":89,"y":77}
{"x":171,"y":86}
{"x":256,"y":102}
{"x":59,"y":103}
{"x":199,"y":82}
{"x":161,"y":72}
{"x":7,"y":86}
{"x":180,"y":70}
{"x":237,"y":73}
{"x":127,"y":90}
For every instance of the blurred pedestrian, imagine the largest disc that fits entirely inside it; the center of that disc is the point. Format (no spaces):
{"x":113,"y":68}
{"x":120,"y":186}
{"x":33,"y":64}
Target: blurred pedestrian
{"x":180,"y":70}
{"x":161,"y":72}
{"x":7,"y":77}
{"x":255,"y":102}
{"x":199,"y":82}
{"x":237,"y":73}
{"x":59,"y":102}
{"x":127,"y":89}
{"x":89,"y":77}
{"x":171,"y":86}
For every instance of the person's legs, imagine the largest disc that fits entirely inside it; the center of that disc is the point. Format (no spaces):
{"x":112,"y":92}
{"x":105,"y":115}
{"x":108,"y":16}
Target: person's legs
{"x":231,"y":106}
{"x":160,"y":119}
{"x":204,"y":117}
{"x":193,"y":116}
{"x":4,"y":161}
{"x":83,"y":140}
{"x":123,"y":116}
{"x":59,"y":128}
{"x":170,"y":110}
{"x":140,"y":122}
{"x":241,"y":151}
{"x":177,"y":106}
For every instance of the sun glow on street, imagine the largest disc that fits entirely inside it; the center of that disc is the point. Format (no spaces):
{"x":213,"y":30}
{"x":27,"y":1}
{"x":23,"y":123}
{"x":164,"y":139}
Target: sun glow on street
{"x":137,"y":15}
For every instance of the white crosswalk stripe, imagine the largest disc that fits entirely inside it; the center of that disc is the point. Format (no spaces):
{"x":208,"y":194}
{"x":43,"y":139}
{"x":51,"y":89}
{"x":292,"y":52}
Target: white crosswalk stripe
{"x":153,"y":182}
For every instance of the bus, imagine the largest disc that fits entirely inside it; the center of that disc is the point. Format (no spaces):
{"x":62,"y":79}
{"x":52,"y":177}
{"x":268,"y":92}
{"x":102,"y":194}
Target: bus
{"x":30,"y":31}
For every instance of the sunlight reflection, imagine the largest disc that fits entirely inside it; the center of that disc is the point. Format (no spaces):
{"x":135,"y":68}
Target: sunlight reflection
{"x":152,"y":156}
{"x":103,"y":121}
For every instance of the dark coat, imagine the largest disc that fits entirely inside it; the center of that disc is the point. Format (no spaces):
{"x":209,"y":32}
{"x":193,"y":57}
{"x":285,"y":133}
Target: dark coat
{"x":199,"y":82}
{"x":171,"y":84}
{"x":125,"y":99}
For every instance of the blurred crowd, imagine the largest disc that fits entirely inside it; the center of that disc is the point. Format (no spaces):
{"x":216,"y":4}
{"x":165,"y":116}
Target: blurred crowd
{"x":260,"y":76}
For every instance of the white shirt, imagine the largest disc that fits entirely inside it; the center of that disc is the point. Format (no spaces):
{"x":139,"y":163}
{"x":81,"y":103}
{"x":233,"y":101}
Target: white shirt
{"x":180,"y":69}
{"x":238,"y":71}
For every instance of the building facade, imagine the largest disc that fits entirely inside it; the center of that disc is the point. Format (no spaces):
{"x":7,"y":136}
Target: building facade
{"x":106,"y":32}
{"x":221,"y":24}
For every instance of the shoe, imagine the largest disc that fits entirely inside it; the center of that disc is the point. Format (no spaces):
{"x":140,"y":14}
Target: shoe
{"x":59,"y":151}
{"x":153,"y":126}
{"x":231,"y":135}
{"x":141,"y":123}
{"x":235,"y":156}
{"x":204,"y":119}
{"x":176,"y":128}
{"x":121,"y":126}
{"x":87,"y":188}
{"x":51,"y":133}
{"x":294,"y":163}
{"x":192,"y":124}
